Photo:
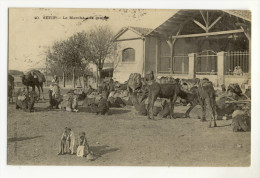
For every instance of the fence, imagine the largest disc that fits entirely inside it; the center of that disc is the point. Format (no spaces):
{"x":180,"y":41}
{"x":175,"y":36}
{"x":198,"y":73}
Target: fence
{"x":180,"y":65}
{"x":206,"y":63}
{"x":236,"y":58}
{"x":164,"y":65}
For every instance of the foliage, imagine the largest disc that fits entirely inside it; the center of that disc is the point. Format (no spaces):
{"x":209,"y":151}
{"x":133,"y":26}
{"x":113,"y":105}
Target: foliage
{"x":78,"y":50}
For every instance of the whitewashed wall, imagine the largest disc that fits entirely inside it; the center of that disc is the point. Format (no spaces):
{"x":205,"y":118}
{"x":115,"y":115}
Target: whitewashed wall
{"x":124,"y":69}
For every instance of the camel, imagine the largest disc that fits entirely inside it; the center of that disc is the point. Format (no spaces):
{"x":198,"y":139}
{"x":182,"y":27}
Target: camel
{"x":34,"y":78}
{"x":10,"y":88}
{"x":166,"y":90}
{"x":198,"y":96}
{"x":26,"y":101}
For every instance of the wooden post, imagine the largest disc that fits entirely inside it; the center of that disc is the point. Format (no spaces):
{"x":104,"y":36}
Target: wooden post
{"x":73,"y":77}
{"x":192,"y":66}
{"x":63,"y":76}
{"x":182,"y":65}
{"x":156,"y":56}
{"x":249,"y":55}
{"x":221,"y":68}
{"x":170,"y":43}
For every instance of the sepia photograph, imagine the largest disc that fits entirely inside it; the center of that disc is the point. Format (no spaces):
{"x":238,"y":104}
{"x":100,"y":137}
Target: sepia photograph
{"x":129,"y":87}
{"x":129,"y":90}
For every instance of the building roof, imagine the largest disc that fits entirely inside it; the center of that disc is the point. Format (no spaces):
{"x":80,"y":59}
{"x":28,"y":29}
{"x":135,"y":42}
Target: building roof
{"x":138,"y":30}
{"x":244,"y":14}
{"x":181,"y":17}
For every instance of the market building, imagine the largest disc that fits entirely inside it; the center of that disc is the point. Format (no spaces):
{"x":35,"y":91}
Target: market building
{"x":215,"y":44}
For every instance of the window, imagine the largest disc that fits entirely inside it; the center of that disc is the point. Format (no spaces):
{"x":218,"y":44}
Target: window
{"x":128,"y":55}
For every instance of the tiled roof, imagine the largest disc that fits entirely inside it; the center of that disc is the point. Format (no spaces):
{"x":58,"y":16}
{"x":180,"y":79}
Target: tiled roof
{"x":244,"y":14}
{"x":138,"y":30}
{"x":142,"y":31}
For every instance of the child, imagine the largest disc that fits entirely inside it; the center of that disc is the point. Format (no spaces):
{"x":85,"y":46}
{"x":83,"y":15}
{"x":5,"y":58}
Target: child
{"x":83,"y":147}
{"x":72,"y":140}
{"x":65,"y":140}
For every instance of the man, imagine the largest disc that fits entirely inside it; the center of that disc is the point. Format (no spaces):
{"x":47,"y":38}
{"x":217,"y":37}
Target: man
{"x":55,"y":80}
{"x":55,"y":90}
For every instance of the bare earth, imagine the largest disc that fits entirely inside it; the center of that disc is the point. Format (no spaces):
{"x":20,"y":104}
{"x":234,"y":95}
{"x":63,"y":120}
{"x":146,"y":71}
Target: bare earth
{"x":124,"y":139}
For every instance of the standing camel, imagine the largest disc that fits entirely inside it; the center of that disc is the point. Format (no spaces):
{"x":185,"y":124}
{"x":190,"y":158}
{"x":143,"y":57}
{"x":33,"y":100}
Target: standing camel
{"x":34,"y":78}
{"x":199,"y":95}
{"x":166,"y":90}
{"x":10,"y":88}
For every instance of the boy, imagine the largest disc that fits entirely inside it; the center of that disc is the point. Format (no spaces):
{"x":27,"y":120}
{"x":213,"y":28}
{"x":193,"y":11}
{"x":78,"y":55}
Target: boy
{"x":65,"y":139}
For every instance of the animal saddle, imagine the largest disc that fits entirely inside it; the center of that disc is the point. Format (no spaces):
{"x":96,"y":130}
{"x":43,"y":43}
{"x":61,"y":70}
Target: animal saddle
{"x":21,"y":97}
{"x":205,"y":83}
{"x":134,"y":81}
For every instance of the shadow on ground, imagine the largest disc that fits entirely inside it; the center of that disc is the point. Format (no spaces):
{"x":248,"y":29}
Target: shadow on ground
{"x":117,"y":111}
{"x":101,"y":150}
{"x":22,"y":138}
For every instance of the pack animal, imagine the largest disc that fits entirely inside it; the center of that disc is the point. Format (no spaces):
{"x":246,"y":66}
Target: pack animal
{"x":167,"y":90}
{"x":10,"y":88}
{"x":26,"y":101}
{"x":34,"y":78}
{"x":200,"y":95}
{"x":134,"y":82}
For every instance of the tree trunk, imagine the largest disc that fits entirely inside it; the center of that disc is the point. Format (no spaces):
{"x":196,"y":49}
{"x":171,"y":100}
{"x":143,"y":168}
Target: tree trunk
{"x":73,"y":77}
{"x":97,"y":77}
{"x":63,"y":75}
{"x":83,"y":80}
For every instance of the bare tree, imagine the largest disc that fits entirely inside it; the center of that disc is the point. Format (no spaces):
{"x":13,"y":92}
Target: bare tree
{"x":101,"y":47}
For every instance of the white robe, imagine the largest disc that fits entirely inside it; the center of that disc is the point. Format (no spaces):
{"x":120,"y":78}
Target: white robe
{"x":72,"y":142}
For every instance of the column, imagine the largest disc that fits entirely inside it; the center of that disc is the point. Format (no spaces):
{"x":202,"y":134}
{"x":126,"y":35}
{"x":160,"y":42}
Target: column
{"x":192,"y":65}
{"x":170,"y":43}
{"x":221,"y":68}
{"x":156,"y":56}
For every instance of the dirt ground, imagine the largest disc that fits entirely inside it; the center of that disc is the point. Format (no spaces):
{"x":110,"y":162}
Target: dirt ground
{"x":124,"y":139}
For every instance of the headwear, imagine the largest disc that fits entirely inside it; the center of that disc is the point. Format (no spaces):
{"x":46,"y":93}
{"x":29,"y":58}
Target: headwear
{"x":82,"y":133}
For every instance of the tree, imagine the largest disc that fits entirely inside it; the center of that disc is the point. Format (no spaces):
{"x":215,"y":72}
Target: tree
{"x":67,"y":55}
{"x":81,"y":48}
{"x":101,"y":47}
{"x":77,"y":48}
{"x":56,"y":58}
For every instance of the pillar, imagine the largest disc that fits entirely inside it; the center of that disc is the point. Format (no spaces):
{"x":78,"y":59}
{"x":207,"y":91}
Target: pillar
{"x":156,"y":56}
{"x":192,"y":65}
{"x":221,"y":68}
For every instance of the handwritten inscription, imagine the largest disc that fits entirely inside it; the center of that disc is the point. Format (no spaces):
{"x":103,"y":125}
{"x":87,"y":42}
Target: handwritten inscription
{"x":51,"y":17}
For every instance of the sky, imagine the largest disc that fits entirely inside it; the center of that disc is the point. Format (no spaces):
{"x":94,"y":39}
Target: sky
{"x":30,"y":33}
